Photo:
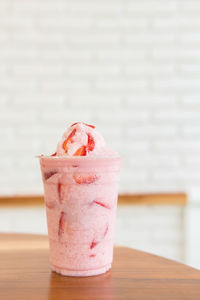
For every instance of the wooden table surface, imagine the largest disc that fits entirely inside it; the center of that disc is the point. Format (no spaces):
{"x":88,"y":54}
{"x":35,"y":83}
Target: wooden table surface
{"x":25,"y":274}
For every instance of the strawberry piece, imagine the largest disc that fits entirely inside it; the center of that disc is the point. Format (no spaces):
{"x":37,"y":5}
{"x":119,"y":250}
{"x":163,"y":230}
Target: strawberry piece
{"x":92,"y":255}
{"x":62,"y":224}
{"x":54,"y":154}
{"x":101,"y":204}
{"x":59,"y":190}
{"x":82,"y":151}
{"x":106,"y":231}
{"x":91,"y":143}
{"x":93,"y":244}
{"x":96,"y":241}
{"x":47,"y":175}
{"x":60,"y":194}
{"x":92,"y":126}
{"x":69,"y":139}
{"x":65,"y":145}
{"x":85,"y":179}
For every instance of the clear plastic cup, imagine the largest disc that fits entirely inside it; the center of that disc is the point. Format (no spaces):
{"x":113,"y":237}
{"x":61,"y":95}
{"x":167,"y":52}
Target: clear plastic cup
{"x":81,"y":199}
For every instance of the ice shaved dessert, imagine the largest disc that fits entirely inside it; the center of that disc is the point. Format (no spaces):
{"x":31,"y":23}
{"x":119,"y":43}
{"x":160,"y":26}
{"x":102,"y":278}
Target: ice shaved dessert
{"x":80,"y":190}
{"x":83,"y":140}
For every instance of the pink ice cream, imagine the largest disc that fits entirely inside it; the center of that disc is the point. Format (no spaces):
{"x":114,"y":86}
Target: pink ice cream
{"x":83,"y":140}
{"x":80,"y":191}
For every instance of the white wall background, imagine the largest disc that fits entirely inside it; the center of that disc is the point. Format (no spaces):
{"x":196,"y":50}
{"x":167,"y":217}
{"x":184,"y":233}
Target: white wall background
{"x":130,"y":67}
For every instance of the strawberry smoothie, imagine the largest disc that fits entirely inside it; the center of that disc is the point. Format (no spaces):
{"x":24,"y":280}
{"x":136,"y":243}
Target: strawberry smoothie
{"x":80,"y":191}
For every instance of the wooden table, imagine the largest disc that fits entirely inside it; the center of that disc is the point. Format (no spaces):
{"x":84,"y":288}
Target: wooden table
{"x":25,"y":274}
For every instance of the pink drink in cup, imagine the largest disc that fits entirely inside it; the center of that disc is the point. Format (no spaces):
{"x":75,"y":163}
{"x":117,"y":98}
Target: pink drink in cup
{"x":80,"y":194}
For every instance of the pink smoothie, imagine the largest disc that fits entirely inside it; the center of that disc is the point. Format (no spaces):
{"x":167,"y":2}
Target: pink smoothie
{"x":80,"y":194}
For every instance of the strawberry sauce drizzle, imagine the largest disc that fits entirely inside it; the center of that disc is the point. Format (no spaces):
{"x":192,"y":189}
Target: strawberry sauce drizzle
{"x":92,"y":126}
{"x":69,"y":139}
{"x":93,"y":244}
{"x":62,"y":223}
{"x":47,"y":175}
{"x":106,"y":230}
{"x":101,"y":204}
{"x":82,"y":151}
{"x":91,"y":143}
{"x":54,"y":154}
{"x":59,"y":188}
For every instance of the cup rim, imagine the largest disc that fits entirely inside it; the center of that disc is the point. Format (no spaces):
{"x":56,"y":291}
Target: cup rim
{"x":82,"y":158}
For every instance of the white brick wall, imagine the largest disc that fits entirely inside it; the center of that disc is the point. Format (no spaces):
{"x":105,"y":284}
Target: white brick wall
{"x":137,"y":227}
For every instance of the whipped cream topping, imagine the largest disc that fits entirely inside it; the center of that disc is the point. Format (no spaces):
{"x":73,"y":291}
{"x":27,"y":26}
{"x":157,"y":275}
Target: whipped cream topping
{"x":82,"y":140}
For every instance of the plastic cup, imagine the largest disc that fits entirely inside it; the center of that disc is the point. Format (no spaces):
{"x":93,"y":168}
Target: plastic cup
{"x":81,"y":199}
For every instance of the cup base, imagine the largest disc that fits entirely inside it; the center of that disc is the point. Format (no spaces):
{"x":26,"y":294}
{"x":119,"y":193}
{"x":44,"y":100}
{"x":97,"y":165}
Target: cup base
{"x":82,"y":273}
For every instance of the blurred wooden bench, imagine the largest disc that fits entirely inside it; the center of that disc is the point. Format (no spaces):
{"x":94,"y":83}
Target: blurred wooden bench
{"x":124,"y":199}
